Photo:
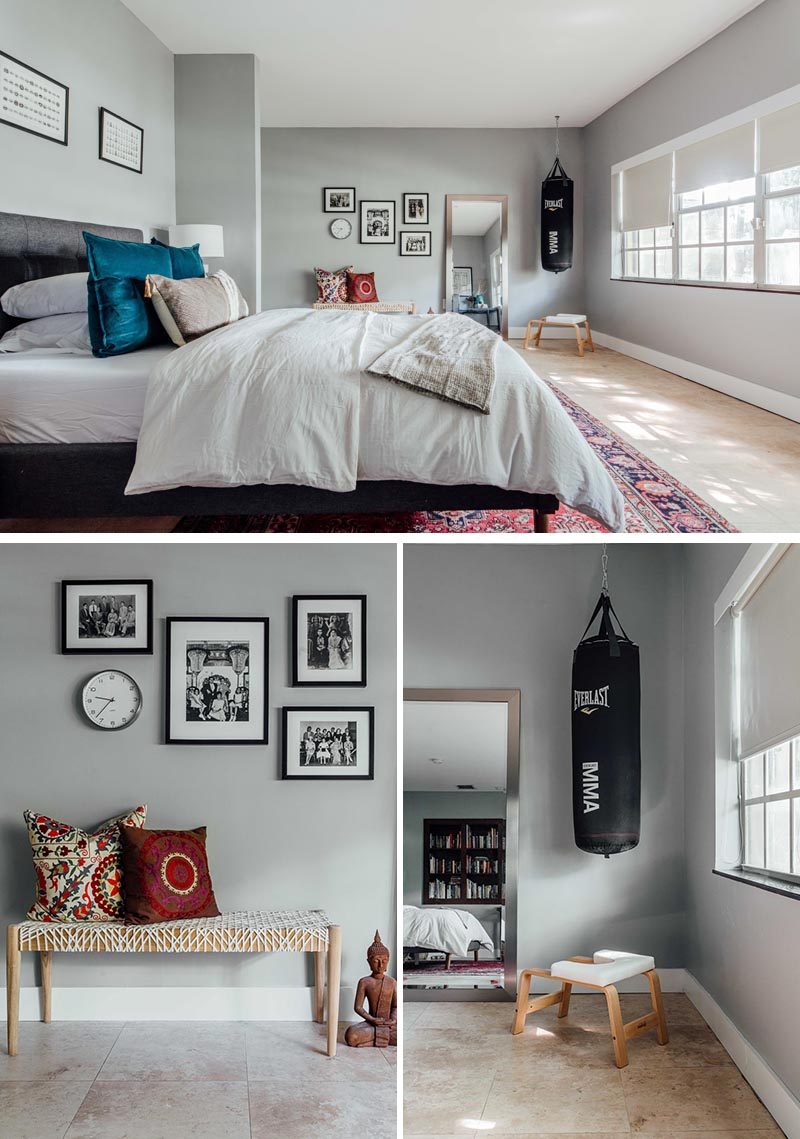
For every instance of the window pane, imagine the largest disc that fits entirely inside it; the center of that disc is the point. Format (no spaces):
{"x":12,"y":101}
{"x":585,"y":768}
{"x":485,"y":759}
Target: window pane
{"x":712,"y":226}
{"x":796,"y":766}
{"x":783,"y":265}
{"x":692,"y":199}
{"x":690,"y":229}
{"x":664,"y":264}
{"x":715,"y":194}
{"x":632,"y":264}
{"x":740,"y":222}
{"x":647,"y":263}
{"x":778,"y":769}
{"x":783,"y":217}
{"x":743,"y":189}
{"x":754,"y":777}
{"x":741,"y":264}
{"x":783,"y":179}
{"x":778,"y":836}
{"x":647,"y":238}
{"x":796,"y":827}
{"x":632,"y":239}
{"x":690,"y":264}
{"x":754,"y":835}
{"x":664,"y":236}
{"x":713,"y":264}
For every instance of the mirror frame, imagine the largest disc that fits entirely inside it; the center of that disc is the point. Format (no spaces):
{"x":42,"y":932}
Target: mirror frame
{"x":511,"y":697}
{"x":448,"y":255}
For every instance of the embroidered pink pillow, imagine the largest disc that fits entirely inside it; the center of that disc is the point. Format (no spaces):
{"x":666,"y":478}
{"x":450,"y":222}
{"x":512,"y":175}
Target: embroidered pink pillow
{"x":361,"y":288}
{"x":78,"y":873}
{"x":332,"y":286}
{"x":166,"y":876}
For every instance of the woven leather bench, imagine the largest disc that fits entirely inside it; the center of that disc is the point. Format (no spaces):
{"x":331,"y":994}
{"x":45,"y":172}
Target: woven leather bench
{"x":247,"y":931}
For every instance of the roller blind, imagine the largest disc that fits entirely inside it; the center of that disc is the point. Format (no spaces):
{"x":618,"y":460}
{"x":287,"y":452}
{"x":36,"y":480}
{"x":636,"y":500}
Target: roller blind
{"x":727,"y":157}
{"x":769,"y":659}
{"x":780,"y":140}
{"x":647,"y":194}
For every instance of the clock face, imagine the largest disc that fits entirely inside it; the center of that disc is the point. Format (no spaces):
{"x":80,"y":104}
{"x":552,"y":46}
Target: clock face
{"x":341,"y":227}
{"x":111,"y":700}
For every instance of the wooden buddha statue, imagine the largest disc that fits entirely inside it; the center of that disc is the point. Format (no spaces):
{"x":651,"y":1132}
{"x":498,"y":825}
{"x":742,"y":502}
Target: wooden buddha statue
{"x":380,"y":993}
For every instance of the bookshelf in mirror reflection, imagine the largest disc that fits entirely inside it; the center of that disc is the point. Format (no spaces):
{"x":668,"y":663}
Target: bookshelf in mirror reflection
{"x":464,"y":862}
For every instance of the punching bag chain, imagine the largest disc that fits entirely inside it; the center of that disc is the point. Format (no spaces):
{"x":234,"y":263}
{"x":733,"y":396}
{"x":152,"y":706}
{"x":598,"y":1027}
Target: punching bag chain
{"x":558,"y":144}
{"x":604,"y":561}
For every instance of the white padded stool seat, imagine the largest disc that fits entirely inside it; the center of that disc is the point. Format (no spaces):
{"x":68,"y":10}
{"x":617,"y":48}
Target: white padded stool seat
{"x":610,"y":966}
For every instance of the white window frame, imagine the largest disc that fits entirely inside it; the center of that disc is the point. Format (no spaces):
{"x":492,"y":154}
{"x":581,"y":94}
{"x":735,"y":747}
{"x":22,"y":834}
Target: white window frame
{"x":792,"y":796}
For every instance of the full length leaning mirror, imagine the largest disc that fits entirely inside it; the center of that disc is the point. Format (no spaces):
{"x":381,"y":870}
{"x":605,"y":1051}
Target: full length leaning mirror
{"x":476,"y":258}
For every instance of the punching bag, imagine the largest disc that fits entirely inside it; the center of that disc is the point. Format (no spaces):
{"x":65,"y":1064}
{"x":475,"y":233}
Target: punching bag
{"x":606,"y":756}
{"x":558,"y":200}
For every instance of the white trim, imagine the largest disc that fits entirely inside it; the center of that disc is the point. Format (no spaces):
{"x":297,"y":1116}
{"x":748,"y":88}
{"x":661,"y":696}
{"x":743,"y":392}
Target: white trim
{"x":768,"y":1086}
{"x":737,"y":119}
{"x":780,"y":403}
{"x":672,"y":981}
{"x":175,"y":1003}
{"x":757,"y":563}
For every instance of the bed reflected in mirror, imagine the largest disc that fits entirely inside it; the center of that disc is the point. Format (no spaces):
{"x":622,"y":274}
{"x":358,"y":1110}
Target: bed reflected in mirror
{"x":460,"y":762}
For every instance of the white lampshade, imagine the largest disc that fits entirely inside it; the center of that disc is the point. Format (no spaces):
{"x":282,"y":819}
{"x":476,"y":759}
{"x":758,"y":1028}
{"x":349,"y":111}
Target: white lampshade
{"x":209,"y":238}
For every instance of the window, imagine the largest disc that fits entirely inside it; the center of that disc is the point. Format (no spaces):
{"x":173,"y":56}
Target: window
{"x":770,"y":811}
{"x":782,"y":228}
{"x":648,"y":253}
{"x":716,"y":234}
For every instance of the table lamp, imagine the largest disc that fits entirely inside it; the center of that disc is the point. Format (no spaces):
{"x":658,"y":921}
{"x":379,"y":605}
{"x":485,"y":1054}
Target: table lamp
{"x":209,"y":238}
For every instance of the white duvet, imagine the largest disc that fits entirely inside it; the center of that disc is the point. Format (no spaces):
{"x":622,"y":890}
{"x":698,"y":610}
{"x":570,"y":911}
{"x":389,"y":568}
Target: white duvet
{"x":447,"y":930}
{"x":283,"y":397}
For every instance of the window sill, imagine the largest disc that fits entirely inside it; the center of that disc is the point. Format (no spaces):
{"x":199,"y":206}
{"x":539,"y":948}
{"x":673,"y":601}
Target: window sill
{"x":762,"y":882}
{"x":762,"y":290}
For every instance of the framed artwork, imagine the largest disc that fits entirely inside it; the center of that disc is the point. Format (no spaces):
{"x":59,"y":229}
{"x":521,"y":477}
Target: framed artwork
{"x":415,"y":209}
{"x":328,"y":743}
{"x":339,"y":199}
{"x":415,"y":243}
{"x":107,"y":616}
{"x":377,"y":223}
{"x":329,"y":641}
{"x":121,"y":142}
{"x":31,"y":101}
{"x":217,"y":688}
{"x":462,"y":281}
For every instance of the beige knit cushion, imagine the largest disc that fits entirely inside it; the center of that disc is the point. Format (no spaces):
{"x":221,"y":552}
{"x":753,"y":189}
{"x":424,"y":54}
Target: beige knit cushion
{"x":196,"y":305}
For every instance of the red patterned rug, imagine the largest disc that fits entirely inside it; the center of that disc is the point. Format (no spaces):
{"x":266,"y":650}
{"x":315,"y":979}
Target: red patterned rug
{"x":655,"y":503}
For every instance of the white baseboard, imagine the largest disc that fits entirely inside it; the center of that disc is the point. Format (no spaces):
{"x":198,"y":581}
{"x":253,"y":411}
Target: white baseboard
{"x":767,"y":398}
{"x":176,"y":1003}
{"x":672,"y":981}
{"x":769,"y":1087}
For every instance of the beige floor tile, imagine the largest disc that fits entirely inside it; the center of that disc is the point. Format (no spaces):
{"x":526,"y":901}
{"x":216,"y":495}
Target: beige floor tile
{"x":446,"y":1104}
{"x":556,"y":1101}
{"x":152,"y":1110}
{"x":319,"y":1109}
{"x":39,"y":1110}
{"x":279,"y":1049}
{"x":691,"y":1099}
{"x":65,"y":1050}
{"x":489,"y":1018}
{"x":413,"y":1011}
{"x":190,"y":1050}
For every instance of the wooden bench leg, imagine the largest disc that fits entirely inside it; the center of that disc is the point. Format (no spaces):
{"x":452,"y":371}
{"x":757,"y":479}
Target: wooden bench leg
{"x":658,"y":1007}
{"x":448,"y":960}
{"x":589,"y":339}
{"x":46,"y":959}
{"x":523,"y":998}
{"x":334,"y":980}
{"x":579,"y":338}
{"x":12,"y":988}
{"x":319,"y":985}
{"x":527,"y":342}
{"x":617,"y":1026}
{"x":563,"y":1005}
{"x":538,"y":338}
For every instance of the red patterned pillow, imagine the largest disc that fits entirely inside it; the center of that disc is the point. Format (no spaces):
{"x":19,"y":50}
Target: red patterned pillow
{"x":78,"y":873}
{"x":361,"y":288}
{"x":166,"y":876}
{"x":332,"y":286}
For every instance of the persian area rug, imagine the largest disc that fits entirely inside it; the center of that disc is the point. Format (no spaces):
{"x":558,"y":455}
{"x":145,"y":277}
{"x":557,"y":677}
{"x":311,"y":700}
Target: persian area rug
{"x":655,"y":503}
{"x":461,"y":974}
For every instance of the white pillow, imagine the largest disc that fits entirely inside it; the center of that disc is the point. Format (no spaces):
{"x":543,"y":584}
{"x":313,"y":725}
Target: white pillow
{"x":48,"y":296}
{"x":67,"y":333}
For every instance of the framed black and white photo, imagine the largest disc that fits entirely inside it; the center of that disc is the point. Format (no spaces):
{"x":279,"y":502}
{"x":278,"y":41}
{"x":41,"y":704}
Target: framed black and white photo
{"x":339,"y":200}
{"x":377,"y":223}
{"x":462,"y":281}
{"x":217,"y":689}
{"x":328,"y":743}
{"x":31,"y":101}
{"x":415,"y":243}
{"x":329,"y":641}
{"x":415,"y":209}
{"x":121,"y":142}
{"x":107,"y":616}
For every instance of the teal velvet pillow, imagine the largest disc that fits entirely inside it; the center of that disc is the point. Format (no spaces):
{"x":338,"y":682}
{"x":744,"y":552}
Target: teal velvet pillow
{"x":186,"y":260}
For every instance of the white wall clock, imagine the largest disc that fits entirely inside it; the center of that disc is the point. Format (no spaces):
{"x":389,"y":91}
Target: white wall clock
{"x":111,"y":700}
{"x":341,"y":227}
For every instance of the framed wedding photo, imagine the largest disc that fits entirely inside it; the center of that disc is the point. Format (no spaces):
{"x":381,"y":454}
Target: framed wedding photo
{"x":217,"y":689}
{"x":328,"y":743}
{"x":339,"y":199}
{"x":31,"y":101}
{"x":107,"y":616}
{"x":329,"y":641}
{"x":416,"y":210}
{"x":415,"y":243}
{"x":121,"y":142}
{"x":377,"y":223}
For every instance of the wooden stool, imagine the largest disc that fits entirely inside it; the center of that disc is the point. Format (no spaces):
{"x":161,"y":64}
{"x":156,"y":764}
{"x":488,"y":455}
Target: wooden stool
{"x":599,"y":972}
{"x":560,"y":320}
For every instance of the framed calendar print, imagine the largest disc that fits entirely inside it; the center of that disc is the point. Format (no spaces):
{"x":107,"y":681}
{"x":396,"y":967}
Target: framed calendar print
{"x":31,"y":101}
{"x":121,"y":142}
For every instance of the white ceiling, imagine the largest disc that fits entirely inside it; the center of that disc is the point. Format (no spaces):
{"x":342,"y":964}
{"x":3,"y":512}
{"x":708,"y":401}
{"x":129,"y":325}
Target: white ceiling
{"x":443,"y":63}
{"x":469,"y":739}
{"x":474,"y":219}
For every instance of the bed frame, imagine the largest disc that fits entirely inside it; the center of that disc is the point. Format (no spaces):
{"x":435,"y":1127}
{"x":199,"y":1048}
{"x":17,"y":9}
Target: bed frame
{"x":87,"y":480}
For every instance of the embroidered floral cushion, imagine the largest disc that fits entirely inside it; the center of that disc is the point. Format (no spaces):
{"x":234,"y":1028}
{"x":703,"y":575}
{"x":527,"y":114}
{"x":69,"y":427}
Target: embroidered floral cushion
{"x":361,"y":288}
{"x":332,"y":286}
{"x":166,"y":876}
{"x":78,"y":873}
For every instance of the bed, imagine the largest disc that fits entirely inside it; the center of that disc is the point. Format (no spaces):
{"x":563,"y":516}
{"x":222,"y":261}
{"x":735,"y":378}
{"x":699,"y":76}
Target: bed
{"x":69,"y":428}
{"x":454,"y":932}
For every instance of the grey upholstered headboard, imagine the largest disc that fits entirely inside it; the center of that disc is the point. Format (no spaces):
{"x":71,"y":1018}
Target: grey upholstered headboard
{"x":32,"y":247}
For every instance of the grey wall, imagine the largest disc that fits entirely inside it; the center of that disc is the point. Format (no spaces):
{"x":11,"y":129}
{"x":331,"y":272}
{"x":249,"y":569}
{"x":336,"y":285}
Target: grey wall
{"x":298,"y":163}
{"x":106,"y":58}
{"x":218,"y":159}
{"x":754,"y":58}
{"x":509,"y":617}
{"x":736,"y":934}
{"x":470,"y":251}
{"x":271,"y":844}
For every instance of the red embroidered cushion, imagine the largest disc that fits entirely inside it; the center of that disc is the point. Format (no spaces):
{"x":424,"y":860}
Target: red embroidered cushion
{"x":332,"y":286}
{"x":166,"y":876}
{"x":361,"y":288}
{"x":78,"y":873}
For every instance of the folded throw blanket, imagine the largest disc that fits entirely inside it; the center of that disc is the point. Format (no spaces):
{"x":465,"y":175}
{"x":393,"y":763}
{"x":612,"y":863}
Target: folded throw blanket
{"x":450,"y":357}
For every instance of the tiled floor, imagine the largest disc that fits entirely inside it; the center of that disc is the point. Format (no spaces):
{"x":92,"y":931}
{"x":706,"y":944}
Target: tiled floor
{"x":193,"y":1081}
{"x":465,"y":1074}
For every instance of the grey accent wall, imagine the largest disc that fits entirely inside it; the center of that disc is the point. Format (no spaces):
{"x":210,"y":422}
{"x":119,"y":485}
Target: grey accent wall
{"x":271,"y":844}
{"x":756,"y":57}
{"x":218,"y":159}
{"x":736,"y":933}
{"x":107,"y":58}
{"x":510,"y":617}
{"x":298,"y":163}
